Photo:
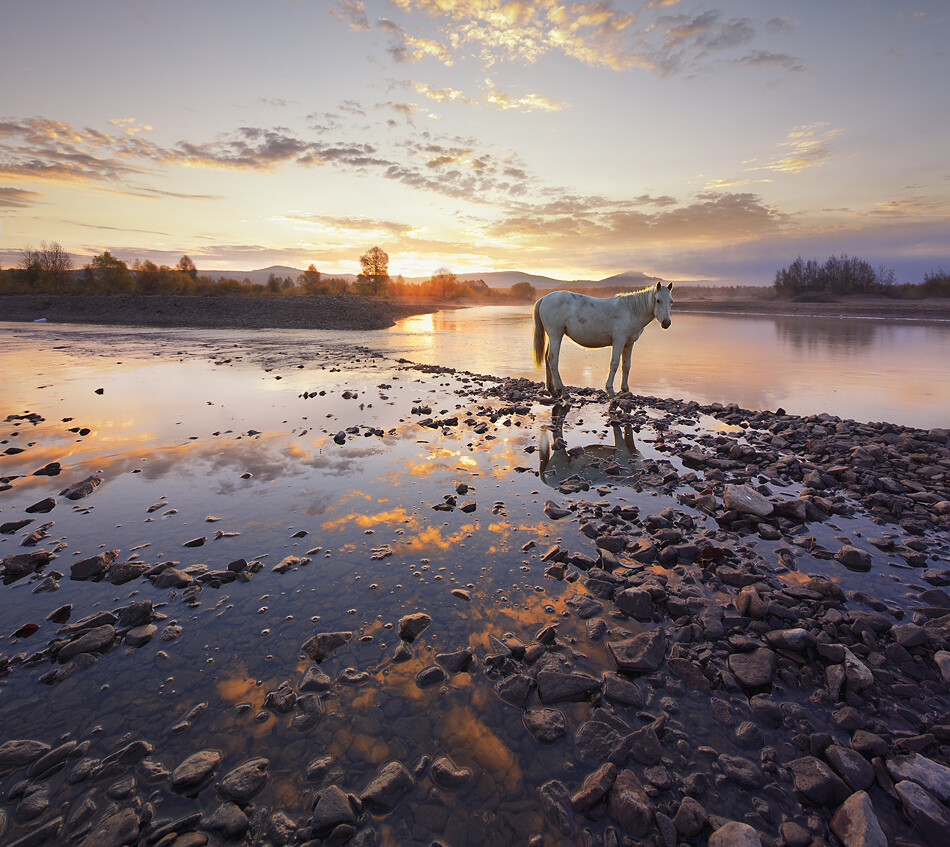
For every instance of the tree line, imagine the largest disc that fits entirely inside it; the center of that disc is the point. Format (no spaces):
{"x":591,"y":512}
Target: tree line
{"x":49,"y":270}
{"x":847,"y":275}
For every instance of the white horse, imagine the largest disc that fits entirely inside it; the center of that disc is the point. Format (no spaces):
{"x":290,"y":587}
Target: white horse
{"x":615,"y":322}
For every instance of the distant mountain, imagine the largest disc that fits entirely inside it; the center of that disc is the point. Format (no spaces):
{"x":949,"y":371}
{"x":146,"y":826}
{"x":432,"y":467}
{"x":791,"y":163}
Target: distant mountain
{"x":261,"y":275}
{"x":636,"y":279}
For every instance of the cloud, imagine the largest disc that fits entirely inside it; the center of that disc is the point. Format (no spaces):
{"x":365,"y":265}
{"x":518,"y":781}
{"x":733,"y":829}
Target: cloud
{"x":16,"y":198}
{"x":440,"y":95}
{"x":353,"y":12}
{"x":763,"y":58}
{"x":526,"y":103}
{"x":808,"y":146}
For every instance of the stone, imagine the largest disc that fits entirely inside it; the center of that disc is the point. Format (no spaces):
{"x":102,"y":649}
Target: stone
{"x":690,"y":818}
{"x":140,"y":635}
{"x":173,"y":578}
{"x":643,"y":653}
{"x":135,"y":614}
{"x":388,"y":787}
{"x":927,"y":813}
{"x":620,"y":690}
{"x":595,"y":787}
{"x":547,"y":725}
{"x":92,"y":567}
{"x":457,"y":661}
{"x":735,"y":834}
{"x":927,"y":773}
{"x":410,"y":627}
{"x":746,"y":501}
{"x":96,"y":640}
{"x":635,"y":602}
{"x":854,"y":558}
{"x":741,"y":770}
{"x":858,"y":676}
{"x":119,"y":573}
{"x":797,"y":640}
{"x":556,"y":805}
{"x":114,"y":831}
{"x":81,"y":489}
{"x":514,"y":689}
{"x":795,"y":835}
{"x":21,"y":564}
{"x":817,"y":783}
{"x":314,"y":679}
{"x":856,"y":824}
{"x":228,"y":820}
{"x":851,"y":766}
{"x":446,"y":774}
{"x":432,"y":675}
{"x":630,"y":805}
{"x":243,"y":782}
{"x":555,"y":512}
{"x":755,"y":669}
{"x":195,"y":769}
{"x":321,"y":645}
{"x":644,"y":745}
{"x":332,"y":808}
{"x":598,"y":742}
{"x":21,"y":752}
{"x":558,"y":686}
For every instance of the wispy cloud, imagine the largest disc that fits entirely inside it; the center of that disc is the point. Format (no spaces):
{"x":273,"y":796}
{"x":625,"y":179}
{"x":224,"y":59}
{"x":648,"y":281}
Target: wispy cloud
{"x":805,"y":147}
{"x":16,"y":198}
{"x":525,"y":103}
{"x":353,"y":12}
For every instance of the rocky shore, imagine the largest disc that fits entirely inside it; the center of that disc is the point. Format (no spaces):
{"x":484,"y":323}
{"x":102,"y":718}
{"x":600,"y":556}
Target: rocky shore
{"x":721,"y":669}
{"x":340,"y":311}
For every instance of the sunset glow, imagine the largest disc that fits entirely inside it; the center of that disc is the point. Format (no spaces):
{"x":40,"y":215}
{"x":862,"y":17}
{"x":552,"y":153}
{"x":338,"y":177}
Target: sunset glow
{"x":573,"y":140}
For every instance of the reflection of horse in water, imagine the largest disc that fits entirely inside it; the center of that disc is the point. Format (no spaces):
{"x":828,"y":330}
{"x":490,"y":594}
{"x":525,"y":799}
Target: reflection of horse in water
{"x":591,"y":465}
{"x":615,"y":322}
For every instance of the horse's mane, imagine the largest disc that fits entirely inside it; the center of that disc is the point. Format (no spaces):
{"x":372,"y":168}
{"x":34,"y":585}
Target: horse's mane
{"x":639,"y":301}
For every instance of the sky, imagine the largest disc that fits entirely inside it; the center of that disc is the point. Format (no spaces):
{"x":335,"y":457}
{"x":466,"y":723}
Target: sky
{"x":686,"y":140}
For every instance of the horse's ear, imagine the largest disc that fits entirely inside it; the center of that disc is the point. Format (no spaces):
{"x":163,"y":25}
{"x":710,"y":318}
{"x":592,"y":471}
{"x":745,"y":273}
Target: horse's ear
{"x":670,"y":286}
{"x":658,"y":284}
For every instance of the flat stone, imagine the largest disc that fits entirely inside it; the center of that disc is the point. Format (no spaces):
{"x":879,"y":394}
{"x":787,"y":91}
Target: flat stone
{"x":114,"y":831}
{"x":21,"y":564}
{"x":747,"y":501}
{"x":643,"y":653}
{"x":735,"y":834}
{"x":927,"y":773}
{"x":797,"y":640}
{"x":446,"y":774}
{"x":598,"y":742}
{"x":21,"y":752}
{"x":244,"y":781}
{"x":558,"y":686}
{"x":119,"y":573}
{"x":173,"y":578}
{"x":388,"y":787}
{"x":630,"y":805}
{"x":555,"y":512}
{"x":851,"y":766}
{"x":817,"y":783}
{"x":81,"y":489}
{"x":547,"y":725}
{"x":139,"y":635}
{"x":927,"y":813}
{"x":515,"y":689}
{"x":741,"y":770}
{"x":92,"y":567}
{"x":854,"y":558}
{"x":95,"y":640}
{"x":595,"y":787}
{"x":556,"y":805}
{"x":755,"y":669}
{"x":321,"y":645}
{"x":620,"y":690}
{"x":856,"y":824}
{"x":644,"y":745}
{"x":331,"y":809}
{"x":195,"y":769}
{"x":410,"y":627}
{"x":228,"y":820}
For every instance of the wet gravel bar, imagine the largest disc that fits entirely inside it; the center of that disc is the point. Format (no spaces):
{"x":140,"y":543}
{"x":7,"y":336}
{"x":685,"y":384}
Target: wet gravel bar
{"x":476,"y":618}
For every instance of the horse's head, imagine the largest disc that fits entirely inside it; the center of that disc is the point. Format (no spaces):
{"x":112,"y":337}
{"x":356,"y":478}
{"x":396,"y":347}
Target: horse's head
{"x":663,"y":302}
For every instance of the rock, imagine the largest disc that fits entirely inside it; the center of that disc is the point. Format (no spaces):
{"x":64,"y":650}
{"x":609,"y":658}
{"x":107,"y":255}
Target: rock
{"x":431,"y":675}
{"x":644,"y":745}
{"x":868,"y":744}
{"x":227,"y":820}
{"x":388,"y":787}
{"x":854,"y":558}
{"x":173,"y":578}
{"x":21,"y":752}
{"x":858,"y":676}
{"x":909,"y":635}
{"x":643,"y":653}
{"x":81,"y":489}
{"x":93,"y":567}
{"x":856,"y":824}
{"x":620,"y":690}
{"x":556,"y":805}
{"x":43,"y":507}
{"x":120,"y":573}
{"x":557,"y":686}
{"x":114,"y":831}
{"x":630,"y":805}
{"x":851,"y":766}
{"x":547,"y":725}
{"x":314,"y":679}
{"x":690,"y":818}
{"x":321,"y":645}
{"x":195,"y":769}
{"x":595,"y":787}
{"x":635,"y":602}
{"x":446,"y":774}
{"x":817,"y":783}
{"x":135,"y":614}
{"x":741,"y":770}
{"x":514,"y":689}
{"x":457,"y":661}
{"x":332,"y":808}
{"x":931,"y":775}
{"x":746,"y":501}
{"x":140,"y":635}
{"x":755,"y":669}
{"x":96,"y":640}
{"x":598,"y":742}
{"x":244,"y":781}
{"x":797,"y":640}
{"x":555,"y":513}
{"x":735,"y":834}
{"x":795,"y":835}
{"x":21,"y":564}
{"x":410,"y":627}
{"x":924,"y":810}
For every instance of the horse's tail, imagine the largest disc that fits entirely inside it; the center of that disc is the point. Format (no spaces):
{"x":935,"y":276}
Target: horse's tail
{"x":539,"y":337}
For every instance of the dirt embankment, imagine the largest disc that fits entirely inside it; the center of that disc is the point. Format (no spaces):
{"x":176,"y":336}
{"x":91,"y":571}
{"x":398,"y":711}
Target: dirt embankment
{"x":930,"y":309}
{"x":344,"y":311}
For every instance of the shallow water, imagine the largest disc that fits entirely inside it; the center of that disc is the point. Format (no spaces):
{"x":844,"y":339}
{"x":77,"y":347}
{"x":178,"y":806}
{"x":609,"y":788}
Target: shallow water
{"x":214,"y":424}
{"x":866,"y":370}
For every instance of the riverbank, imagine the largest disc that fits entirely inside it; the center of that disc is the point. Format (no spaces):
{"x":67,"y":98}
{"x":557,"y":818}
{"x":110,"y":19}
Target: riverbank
{"x":339,"y":312}
{"x":312,"y":595}
{"x":881,"y":308}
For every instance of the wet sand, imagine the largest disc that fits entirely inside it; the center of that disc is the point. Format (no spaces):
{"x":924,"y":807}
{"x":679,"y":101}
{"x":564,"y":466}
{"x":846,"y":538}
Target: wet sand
{"x":473,"y":618}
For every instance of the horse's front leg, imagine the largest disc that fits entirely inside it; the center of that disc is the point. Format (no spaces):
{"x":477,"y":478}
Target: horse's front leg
{"x":617,"y":349}
{"x":625,"y":371}
{"x":555,"y":385}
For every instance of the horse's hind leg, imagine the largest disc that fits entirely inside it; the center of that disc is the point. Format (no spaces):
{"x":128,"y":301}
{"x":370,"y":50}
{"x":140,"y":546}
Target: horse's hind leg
{"x":617,"y":348}
{"x":625,"y":370}
{"x":555,"y":386}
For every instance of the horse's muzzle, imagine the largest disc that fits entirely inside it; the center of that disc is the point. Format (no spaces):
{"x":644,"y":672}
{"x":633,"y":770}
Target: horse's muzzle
{"x":666,"y":324}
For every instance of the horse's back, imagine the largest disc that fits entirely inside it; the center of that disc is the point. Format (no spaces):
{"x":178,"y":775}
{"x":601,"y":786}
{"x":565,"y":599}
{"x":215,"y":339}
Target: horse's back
{"x":589,"y":321}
